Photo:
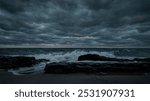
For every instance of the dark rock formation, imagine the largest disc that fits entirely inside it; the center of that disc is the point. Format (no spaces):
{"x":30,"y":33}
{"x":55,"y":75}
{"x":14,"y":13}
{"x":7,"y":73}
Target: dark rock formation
{"x":142,"y":60}
{"x":7,"y":62}
{"x":95,"y":57}
{"x":86,"y":67}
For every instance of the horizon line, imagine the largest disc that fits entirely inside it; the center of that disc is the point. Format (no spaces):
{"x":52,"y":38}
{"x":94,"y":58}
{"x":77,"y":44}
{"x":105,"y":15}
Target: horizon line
{"x":68,"y":47}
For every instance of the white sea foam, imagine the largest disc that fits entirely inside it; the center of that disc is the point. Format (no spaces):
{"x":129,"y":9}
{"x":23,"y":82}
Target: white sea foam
{"x":39,"y":68}
{"x":56,"y":57}
{"x":70,"y":56}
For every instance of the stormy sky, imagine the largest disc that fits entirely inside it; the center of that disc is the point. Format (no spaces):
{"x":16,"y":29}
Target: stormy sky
{"x":75,"y":23}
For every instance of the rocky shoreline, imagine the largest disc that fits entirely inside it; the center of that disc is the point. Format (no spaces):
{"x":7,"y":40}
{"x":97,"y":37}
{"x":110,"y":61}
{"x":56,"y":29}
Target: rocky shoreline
{"x":110,"y":66}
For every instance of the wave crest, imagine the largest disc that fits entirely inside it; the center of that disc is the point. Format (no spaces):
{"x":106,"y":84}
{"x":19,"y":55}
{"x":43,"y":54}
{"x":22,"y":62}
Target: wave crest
{"x":70,"y":56}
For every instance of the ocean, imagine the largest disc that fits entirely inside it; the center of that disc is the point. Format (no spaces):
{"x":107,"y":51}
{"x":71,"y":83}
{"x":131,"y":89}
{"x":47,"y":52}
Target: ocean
{"x":68,"y":55}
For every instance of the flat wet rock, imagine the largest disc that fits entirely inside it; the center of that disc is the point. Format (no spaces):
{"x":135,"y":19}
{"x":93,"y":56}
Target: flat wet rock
{"x":7,"y":62}
{"x":86,"y":67}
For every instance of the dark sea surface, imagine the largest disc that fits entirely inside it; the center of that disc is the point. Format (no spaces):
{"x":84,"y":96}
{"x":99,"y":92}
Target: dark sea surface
{"x":69,"y":55}
{"x":135,"y":52}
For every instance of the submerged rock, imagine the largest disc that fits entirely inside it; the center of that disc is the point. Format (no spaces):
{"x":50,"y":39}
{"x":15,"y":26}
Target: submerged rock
{"x":7,"y":62}
{"x":86,"y":67}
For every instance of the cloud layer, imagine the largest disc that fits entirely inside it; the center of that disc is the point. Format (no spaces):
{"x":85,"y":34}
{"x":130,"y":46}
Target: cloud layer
{"x":99,"y":23}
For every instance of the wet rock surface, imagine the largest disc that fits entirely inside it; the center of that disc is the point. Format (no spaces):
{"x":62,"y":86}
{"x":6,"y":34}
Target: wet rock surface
{"x":8,"y":62}
{"x":86,"y":67}
{"x":95,"y":57}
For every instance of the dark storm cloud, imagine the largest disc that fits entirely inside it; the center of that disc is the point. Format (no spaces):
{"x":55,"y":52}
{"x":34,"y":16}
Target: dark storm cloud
{"x":122,"y":23}
{"x":97,"y":4}
{"x":11,"y":6}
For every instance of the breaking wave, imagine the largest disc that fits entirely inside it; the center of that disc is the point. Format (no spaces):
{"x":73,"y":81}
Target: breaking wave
{"x":70,"y":56}
{"x":56,"y":57}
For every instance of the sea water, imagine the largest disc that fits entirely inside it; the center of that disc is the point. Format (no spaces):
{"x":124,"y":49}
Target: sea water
{"x":69,"y":55}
